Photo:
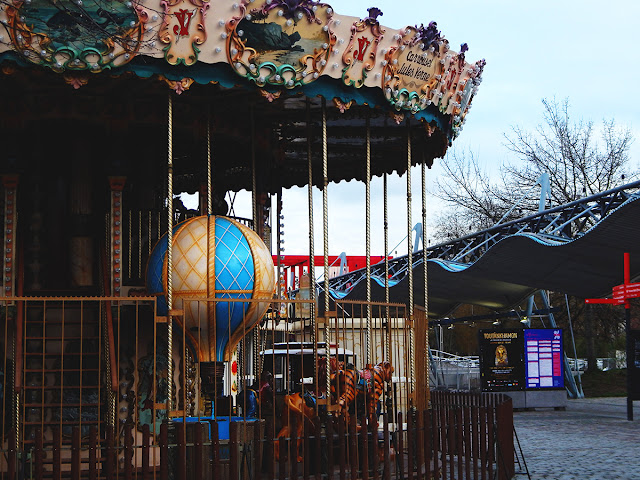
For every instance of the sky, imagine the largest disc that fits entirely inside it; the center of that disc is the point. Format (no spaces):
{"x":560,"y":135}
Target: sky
{"x":584,"y":51}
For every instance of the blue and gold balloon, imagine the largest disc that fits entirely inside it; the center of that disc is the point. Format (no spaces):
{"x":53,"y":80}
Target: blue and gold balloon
{"x":214,"y":257}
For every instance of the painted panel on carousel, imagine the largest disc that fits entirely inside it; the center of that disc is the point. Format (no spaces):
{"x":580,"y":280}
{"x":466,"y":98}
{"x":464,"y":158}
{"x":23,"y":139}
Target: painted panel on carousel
{"x":360,"y":55}
{"x":214,"y":254}
{"x":183,"y":30}
{"x":421,"y":70}
{"x":283,"y":42}
{"x":75,"y":35}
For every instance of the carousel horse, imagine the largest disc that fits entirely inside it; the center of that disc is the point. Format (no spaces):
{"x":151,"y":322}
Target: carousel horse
{"x":368,"y":382}
{"x":302,"y":407}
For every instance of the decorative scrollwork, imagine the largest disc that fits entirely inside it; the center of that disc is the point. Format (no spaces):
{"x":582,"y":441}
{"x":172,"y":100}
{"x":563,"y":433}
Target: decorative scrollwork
{"x":421,"y":71}
{"x":362,"y":49}
{"x":73,"y":36}
{"x":183,"y":19}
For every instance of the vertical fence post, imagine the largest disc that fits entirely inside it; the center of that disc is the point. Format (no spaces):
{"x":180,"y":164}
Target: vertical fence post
{"x":293,"y":446}
{"x":483,"y":442}
{"x":353,"y":446}
{"x":75,"y":453}
{"x":400,"y":444}
{"x":419,"y":436}
{"x":490,"y":440}
{"x":234,"y":456}
{"x":197,"y":450}
{"x":146,"y":437}
{"x":38,"y":454}
{"x":282,"y":466}
{"x":164,"y":451}
{"x":128,"y":451}
{"x":386,"y":472}
{"x":426,"y":443}
{"x":342,"y":434}
{"x":11,"y":461}
{"x":319,"y":448}
{"x":411,"y":453}
{"x":373,"y":431}
{"x":56,"y":452}
{"x":443,"y":441}
{"x":504,"y":437}
{"x":215,"y":451}
{"x":364,"y":440}
{"x":180,"y":440}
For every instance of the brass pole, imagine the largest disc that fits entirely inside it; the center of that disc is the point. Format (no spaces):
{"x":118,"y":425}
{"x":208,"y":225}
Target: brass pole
{"x":312,"y":260}
{"x":426,"y":289}
{"x":410,"y":263}
{"x":368,"y":235}
{"x":169,"y":253}
{"x":325,"y":231}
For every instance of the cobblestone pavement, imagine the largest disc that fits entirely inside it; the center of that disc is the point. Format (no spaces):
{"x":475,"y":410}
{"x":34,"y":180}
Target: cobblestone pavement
{"x":590,"y":440}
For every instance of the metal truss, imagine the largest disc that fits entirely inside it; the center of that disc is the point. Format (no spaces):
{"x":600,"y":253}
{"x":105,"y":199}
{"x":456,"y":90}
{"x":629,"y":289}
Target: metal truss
{"x":560,"y":224}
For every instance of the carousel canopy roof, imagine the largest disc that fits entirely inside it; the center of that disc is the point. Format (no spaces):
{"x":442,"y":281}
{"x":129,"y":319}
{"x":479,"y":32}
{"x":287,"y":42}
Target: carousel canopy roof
{"x":255,"y":71}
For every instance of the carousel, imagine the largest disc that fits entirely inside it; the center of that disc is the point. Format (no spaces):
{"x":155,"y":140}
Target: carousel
{"x":142,"y":338}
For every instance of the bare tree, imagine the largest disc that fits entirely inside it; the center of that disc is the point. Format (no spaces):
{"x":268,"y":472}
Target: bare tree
{"x":580,"y":159}
{"x":578,"y":163}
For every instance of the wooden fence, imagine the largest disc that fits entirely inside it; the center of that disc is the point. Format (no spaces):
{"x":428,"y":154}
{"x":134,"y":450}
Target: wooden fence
{"x":463,"y":436}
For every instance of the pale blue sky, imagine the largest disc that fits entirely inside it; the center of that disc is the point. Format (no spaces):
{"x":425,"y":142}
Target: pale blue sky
{"x":584,"y":50}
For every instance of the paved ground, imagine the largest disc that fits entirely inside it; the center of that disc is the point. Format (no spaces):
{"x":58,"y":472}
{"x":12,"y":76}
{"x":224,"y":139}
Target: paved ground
{"x":591,"y":440}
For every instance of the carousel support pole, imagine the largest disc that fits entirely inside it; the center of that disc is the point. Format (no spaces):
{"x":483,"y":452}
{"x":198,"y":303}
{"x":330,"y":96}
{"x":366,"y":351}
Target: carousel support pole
{"x":368,"y":240}
{"x":312,"y":264}
{"x":325,"y":234}
{"x":412,"y":364}
{"x":388,"y":351}
{"x":169,"y":254}
{"x":425,"y":354}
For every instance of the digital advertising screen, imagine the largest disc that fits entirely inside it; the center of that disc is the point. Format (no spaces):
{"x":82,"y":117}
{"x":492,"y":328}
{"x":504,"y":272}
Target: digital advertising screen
{"x":502,"y":360}
{"x":544,"y":358}
{"x":521,"y":359}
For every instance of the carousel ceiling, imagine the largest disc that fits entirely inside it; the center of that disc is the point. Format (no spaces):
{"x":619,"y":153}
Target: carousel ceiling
{"x":256,"y":72}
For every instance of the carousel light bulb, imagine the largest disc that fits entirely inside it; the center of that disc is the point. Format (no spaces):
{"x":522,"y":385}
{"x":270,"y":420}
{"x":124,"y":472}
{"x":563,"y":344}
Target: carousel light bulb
{"x":218,"y":49}
{"x":223,"y":35}
{"x":325,"y":28}
{"x":290,"y":83}
{"x":314,"y":8}
{"x":241,"y":33}
{"x":315,"y":75}
{"x":422,"y":46}
{"x":383,"y":63}
{"x":280,"y":13}
{"x":300,"y":15}
{"x":277,"y":78}
{"x":261,"y":79}
{"x":378,"y":75}
{"x":323,"y":62}
{"x":132,"y":23}
{"x":154,"y":18}
{"x":396,"y":36}
{"x":129,"y":4}
{"x":289,"y":22}
{"x":248,"y":17}
{"x":402,"y":47}
{"x":234,"y":51}
{"x":329,"y":11}
{"x":335,"y":65}
{"x":341,"y":41}
{"x":235,"y":6}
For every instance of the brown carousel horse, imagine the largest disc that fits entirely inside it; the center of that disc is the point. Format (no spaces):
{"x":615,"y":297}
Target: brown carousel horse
{"x":368,"y":382}
{"x":295,"y":406}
